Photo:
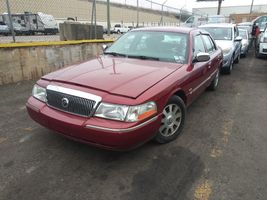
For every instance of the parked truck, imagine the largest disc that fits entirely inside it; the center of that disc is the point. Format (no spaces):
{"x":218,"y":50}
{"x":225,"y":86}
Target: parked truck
{"x":118,"y":28}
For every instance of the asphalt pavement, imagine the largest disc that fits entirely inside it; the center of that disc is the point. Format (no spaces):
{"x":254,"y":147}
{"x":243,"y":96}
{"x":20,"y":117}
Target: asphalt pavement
{"x":221,"y":155}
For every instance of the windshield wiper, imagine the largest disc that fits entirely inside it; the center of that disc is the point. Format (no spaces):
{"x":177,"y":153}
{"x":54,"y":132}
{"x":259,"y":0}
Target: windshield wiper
{"x":144,"y":57}
{"x":115,"y":54}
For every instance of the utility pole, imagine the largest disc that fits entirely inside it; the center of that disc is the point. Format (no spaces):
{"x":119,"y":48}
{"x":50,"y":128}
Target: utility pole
{"x":251,"y":9}
{"x":219,"y":7}
{"x":137,"y":23}
{"x":108,"y":16}
{"x":10,"y":20}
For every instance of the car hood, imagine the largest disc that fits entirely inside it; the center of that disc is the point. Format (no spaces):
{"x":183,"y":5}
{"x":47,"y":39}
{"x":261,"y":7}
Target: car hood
{"x":244,"y":42}
{"x":224,"y":44}
{"x":119,"y":76}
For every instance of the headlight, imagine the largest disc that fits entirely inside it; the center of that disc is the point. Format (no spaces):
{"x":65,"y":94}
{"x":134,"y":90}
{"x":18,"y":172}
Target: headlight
{"x":39,"y":93}
{"x":227,"y":50}
{"x":126,"y":113}
{"x":112,"y":111}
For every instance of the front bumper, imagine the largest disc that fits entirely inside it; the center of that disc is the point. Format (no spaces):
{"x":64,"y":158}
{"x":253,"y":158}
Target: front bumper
{"x":98,"y":132}
{"x":263,"y":48}
{"x":244,"y":50}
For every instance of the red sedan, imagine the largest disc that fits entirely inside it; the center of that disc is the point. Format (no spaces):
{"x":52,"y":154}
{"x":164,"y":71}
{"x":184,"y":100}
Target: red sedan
{"x":136,"y":91}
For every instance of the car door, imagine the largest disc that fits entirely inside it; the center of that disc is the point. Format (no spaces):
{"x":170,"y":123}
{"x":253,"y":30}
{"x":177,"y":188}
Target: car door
{"x":237,"y":44}
{"x":198,"y":71}
{"x":215,"y":56}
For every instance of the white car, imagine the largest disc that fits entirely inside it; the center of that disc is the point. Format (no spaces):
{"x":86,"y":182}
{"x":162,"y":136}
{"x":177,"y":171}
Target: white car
{"x":261,"y":48}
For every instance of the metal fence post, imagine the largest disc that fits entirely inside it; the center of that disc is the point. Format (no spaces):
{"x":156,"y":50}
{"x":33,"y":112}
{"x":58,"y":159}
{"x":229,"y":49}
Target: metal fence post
{"x":10,"y":21}
{"x":137,"y":23}
{"x":108,"y":17}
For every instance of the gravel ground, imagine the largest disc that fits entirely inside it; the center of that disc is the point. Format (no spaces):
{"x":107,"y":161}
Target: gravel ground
{"x":221,"y":154}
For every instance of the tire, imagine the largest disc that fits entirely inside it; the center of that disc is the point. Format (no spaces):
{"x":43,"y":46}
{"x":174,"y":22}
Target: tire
{"x":238,"y":58}
{"x":214,"y":84}
{"x":230,"y":68}
{"x":172,"y":122}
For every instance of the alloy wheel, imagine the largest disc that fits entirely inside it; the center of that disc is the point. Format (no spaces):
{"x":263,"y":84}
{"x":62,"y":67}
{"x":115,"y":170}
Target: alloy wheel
{"x":171,"y":120}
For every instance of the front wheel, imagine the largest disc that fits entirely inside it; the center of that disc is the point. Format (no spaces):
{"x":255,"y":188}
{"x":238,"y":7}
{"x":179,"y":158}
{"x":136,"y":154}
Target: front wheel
{"x":172,"y":122}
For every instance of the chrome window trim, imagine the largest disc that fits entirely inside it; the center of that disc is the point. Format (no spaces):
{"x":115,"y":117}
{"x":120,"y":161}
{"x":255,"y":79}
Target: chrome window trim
{"x":122,"y":130}
{"x":76,"y":93}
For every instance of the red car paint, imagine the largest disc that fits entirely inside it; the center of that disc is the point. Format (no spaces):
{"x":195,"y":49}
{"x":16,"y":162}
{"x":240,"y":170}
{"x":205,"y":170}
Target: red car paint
{"x":124,"y":81}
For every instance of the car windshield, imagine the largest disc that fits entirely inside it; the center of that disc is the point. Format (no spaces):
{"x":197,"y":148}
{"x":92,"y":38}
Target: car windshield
{"x":152,"y":45}
{"x":243,"y":34}
{"x":220,"y":33}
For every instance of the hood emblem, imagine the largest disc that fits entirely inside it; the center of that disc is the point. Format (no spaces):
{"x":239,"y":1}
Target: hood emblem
{"x":65,"y":102}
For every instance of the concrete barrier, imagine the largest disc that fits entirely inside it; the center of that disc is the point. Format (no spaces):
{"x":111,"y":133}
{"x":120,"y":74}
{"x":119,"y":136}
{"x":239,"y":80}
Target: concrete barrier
{"x":30,"y":63}
{"x":78,"y":31}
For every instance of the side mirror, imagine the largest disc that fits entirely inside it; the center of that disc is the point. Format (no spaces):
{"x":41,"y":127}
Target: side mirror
{"x":238,"y":39}
{"x":104,"y":47}
{"x":202,"y":57}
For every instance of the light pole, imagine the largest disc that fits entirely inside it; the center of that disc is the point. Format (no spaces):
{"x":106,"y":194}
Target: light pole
{"x":162,"y":5}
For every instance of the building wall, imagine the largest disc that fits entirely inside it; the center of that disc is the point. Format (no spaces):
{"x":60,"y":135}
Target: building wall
{"x":81,"y":9}
{"x":231,"y":10}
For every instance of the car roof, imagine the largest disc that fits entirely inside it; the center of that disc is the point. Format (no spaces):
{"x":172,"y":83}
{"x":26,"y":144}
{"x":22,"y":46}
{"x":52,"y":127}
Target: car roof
{"x":218,"y":25}
{"x":245,"y":24}
{"x":167,"y":29}
{"x":242,"y":29}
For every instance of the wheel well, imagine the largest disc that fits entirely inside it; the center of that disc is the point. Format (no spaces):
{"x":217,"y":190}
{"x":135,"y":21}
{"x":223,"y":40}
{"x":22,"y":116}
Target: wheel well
{"x":182,"y":95}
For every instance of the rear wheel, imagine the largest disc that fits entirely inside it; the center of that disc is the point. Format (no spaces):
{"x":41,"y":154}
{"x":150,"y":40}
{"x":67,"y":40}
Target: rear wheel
{"x":172,"y":122}
{"x":238,"y":57}
{"x":230,"y":68}
{"x":214,"y":84}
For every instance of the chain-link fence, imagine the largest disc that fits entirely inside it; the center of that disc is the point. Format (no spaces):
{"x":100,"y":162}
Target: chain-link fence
{"x":38,"y":20}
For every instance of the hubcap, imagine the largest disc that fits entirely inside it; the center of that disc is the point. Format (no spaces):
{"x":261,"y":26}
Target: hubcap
{"x":171,"y":120}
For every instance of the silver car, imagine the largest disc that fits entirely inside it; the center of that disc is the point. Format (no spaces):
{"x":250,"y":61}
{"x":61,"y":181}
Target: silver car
{"x":245,"y":41}
{"x":227,"y":38}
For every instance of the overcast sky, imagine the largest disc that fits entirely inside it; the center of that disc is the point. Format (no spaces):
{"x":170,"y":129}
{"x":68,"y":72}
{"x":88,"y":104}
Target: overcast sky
{"x":189,"y":4}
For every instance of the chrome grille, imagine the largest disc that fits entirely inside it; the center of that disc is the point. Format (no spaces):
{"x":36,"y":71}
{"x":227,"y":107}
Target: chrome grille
{"x":75,"y":105}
